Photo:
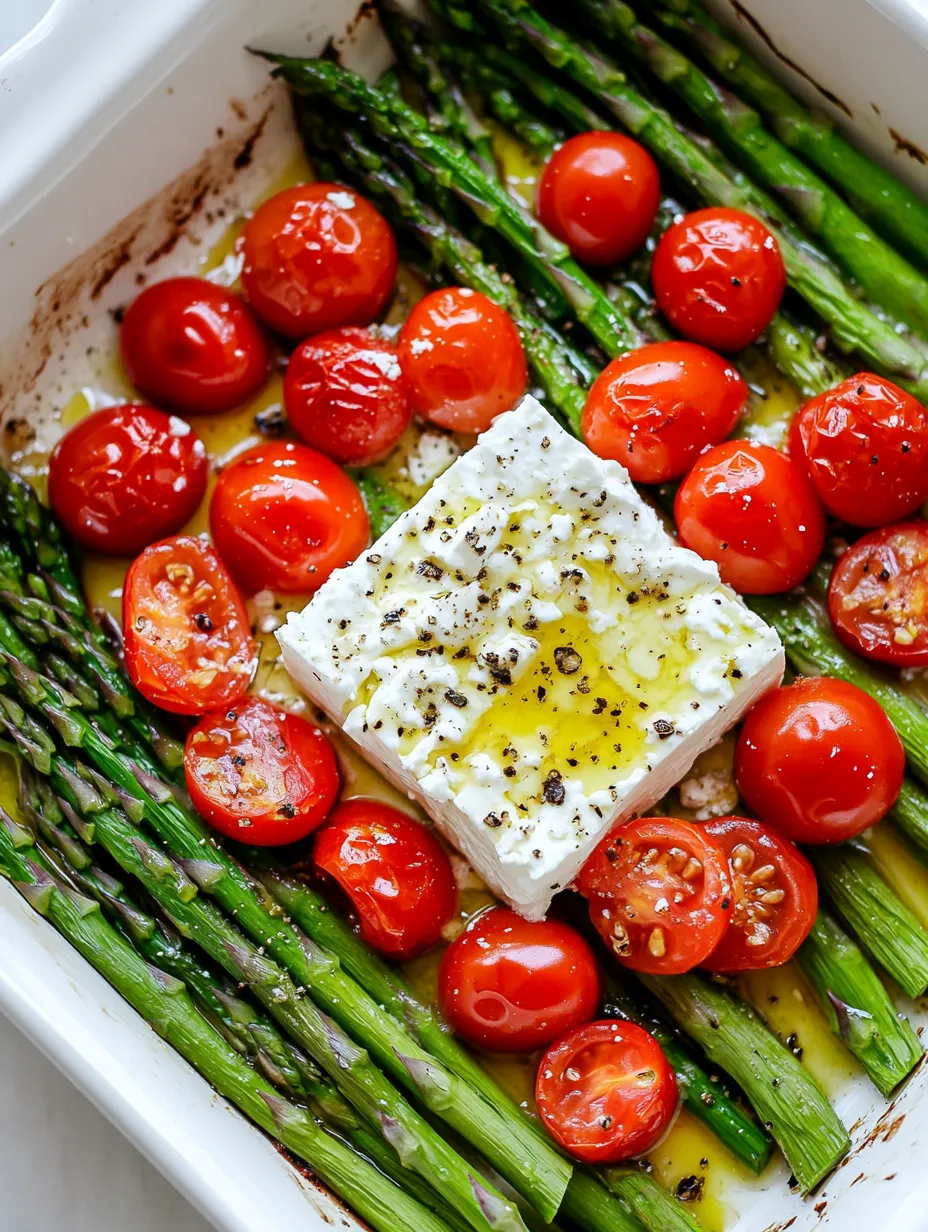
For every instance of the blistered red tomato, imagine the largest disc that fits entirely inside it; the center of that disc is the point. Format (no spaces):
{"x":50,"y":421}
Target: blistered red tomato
{"x":315,"y":257}
{"x":125,"y":476}
{"x":187,"y":641}
{"x":345,"y":395}
{"x":819,"y":760}
{"x":259,"y":774}
{"x":599,"y":193}
{"x":193,"y":346}
{"x":514,"y":985}
{"x":462,"y":359}
{"x":606,"y":1092}
{"x":754,"y":512}
{"x":659,"y":894}
{"x":774,"y":892}
{"x":718,"y":277}
{"x":878,"y":596}
{"x":865,"y":445}
{"x":394,"y":872}
{"x":284,"y":516}
{"x":656,"y":409}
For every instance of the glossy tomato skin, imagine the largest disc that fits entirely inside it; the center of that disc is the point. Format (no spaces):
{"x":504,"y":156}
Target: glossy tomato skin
{"x":514,"y":985}
{"x":718,"y":277}
{"x":775,"y":897}
{"x":865,"y":445}
{"x":188,"y":646}
{"x":656,"y":409}
{"x":606,"y":1092}
{"x":316,"y":257}
{"x":260,"y":775}
{"x":395,"y":873}
{"x":599,"y":193}
{"x":462,"y":359}
{"x":878,"y":595}
{"x":754,"y":512}
{"x":659,"y":894}
{"x":193,"y":346}
{"x":125,"y":476}
{"x":819,"y":760}
{"x":345,"y":395}
{"x":284,"y":516}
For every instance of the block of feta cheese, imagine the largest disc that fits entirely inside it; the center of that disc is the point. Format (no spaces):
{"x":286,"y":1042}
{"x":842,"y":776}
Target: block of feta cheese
{"x":530,"y":655}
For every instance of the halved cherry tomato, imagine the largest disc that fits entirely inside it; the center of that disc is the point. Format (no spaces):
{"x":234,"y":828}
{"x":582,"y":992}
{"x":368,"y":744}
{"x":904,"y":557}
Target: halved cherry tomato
{"x":345,"y":395}
{"x":393,"y":870}
{"x":599,"y":193}
{"x":514,"y":985}
{"x":124,"y":476}
{"x":318,"y":256}
{"x":754,"y":512}
{"x":259,"y":774}
{"x":819,"y":760}
{"x":775,"y":896}
{"x":462,"y":359}
{"x":718,"y":277}
{"x":865,"y":445}
{"x":656,"y":409}
{"x":187,"y":642}
{"x":606,"y":1092}
{"x":659,"y":894}
{"x":193,"y":346}
{"x":878,"y":595}
{"x":284,"y":516}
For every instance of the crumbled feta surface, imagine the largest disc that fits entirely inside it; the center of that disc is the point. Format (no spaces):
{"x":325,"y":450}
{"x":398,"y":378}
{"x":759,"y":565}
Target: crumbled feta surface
{"x":530,"y":655}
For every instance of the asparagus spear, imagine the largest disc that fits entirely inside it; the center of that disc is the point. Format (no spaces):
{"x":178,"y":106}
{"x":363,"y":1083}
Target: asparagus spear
{"x":656,"y":1209}
{"x":910,"y":814}
{"x":164,"y":1003}
{"x":857,"y":1005}
{"x":786,"y":1097}
{"x":853,"y":325}
{"x":883,"y":924}
{"x":885,"y":276}
{"x":795,"y":351}
{"x":383,"y":504}
{"x":893,"y":209}
{"x":481,"y":78}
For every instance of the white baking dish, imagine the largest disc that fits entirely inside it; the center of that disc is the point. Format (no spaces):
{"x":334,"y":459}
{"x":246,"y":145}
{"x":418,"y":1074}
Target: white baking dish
{"x":104,"y":104}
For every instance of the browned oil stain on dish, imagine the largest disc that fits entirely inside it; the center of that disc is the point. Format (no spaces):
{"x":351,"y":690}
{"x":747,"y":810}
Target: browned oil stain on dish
{"x":366,"y":11}
{"x":905,"y":146}
{"x":349,"y":1219}
{"x":761,"y":33}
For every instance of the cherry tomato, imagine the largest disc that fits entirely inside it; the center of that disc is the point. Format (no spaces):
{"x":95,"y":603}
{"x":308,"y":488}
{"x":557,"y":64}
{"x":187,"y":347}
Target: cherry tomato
{"x":754,"y":512}
{"x":259,"y":774}
{"x":318,"y":256}
{"x":718,"y":277}
{"x":285,"y":516}
{"x":395,"y":873}
{"x":606,"y":1092}
{"x":865,"y":445}
{"x":124,"y":476}
{"x":878,"y":596}
{"x":819,"y":760}
{"x":659,"y":894}
{"x":514,"y":985}
{"x":462,"y":359}
{"x":656,"y":409}
{"x":775,"y":895}
{"x":599,"y":193}
{"x":193,"y":346}
{"x":187,"y":642}
{"x":345,"y":395}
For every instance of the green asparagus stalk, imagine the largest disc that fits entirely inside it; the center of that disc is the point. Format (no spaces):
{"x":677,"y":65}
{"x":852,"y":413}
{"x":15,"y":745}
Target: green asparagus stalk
{"x":656,"y":1209}
{"x":897,"y":212}
{"x":887,"y":278}
{"x":853,"y":325}
{"x":393,"y":121}
{"x":882,"y":923}
{"x":795,"y":350}
{"x":482,"y":79}
{"x":910,"y":814}
{"x":786,"y":1097}
{"x":383,"y":504}
{"x":857,"y":1006}
{"x":164,"y":1003}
